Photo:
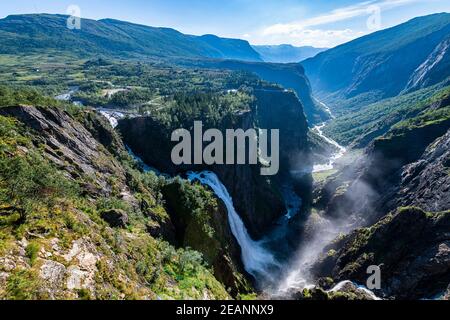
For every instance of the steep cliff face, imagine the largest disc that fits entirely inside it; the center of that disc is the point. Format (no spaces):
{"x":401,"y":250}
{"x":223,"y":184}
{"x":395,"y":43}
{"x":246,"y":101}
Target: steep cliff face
{"x":72,"y":147}
{"x":282,"y":110}
{"x":425,"y":183}
{"x":81,"y":222}
{"x":433,"y":70}
{"x":257,"y":198}
{"x":411,"y":247}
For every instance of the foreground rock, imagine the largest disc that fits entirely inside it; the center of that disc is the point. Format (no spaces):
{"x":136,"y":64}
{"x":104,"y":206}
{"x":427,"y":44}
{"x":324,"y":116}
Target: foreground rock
{"x":116,"y":218}
{"x":64,"y":249}
{"x":411,"y":247}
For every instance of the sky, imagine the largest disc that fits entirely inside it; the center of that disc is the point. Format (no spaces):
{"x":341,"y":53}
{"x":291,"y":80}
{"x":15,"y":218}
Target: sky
{"x":318,"y":23}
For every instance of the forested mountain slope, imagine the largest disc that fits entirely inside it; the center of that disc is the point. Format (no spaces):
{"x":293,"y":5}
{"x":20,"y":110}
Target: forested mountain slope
{"x":382,"y":64}
{"x":37,"y":32}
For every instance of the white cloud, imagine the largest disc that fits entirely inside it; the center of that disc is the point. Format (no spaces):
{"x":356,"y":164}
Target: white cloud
{"x":305,"y":32}
{"x":310,"y":37}
{"x":345,"y":13}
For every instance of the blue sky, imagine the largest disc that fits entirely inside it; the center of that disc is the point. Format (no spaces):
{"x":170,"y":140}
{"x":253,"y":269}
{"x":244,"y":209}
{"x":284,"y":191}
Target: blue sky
{"x":321,"y":23}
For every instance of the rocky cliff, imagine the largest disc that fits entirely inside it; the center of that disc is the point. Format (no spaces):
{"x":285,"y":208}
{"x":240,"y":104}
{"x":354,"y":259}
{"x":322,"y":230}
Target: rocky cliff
{"x":400,"y":188}
{"x":411,"y":246}
{"x":433,"y":69}
{"x":257,"y":198}
{"x":83,"y":222}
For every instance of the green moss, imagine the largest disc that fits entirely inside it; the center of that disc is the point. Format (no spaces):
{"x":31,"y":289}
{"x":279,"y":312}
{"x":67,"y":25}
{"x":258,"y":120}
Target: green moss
{"x":32,"y":251}
{"x":331,"y":253}
{"x":23,"y":285}
{"x":247,"y":297}
{"x":84,"y":294}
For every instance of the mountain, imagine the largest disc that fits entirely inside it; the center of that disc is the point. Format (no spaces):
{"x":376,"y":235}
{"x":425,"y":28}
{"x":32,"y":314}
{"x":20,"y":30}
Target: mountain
{"x":286,"y":53}
{"x":399,"y":189}
{"x":34,"y":32}
{"x":383,"y":64}
{"x":434,"y":69}
{"x":41,"y":33}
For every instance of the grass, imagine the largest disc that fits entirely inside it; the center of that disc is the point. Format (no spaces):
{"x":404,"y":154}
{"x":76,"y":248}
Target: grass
{"x":376,"y":119}
{"x":324,"y":175}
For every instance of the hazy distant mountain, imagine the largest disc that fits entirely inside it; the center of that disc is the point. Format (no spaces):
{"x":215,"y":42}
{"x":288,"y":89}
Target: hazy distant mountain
{"x":34,"y":32}
{"x":286,"y":53}
{"x":383,"y":64}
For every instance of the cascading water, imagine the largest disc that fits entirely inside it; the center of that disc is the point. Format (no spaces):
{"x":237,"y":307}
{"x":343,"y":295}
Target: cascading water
{"x":112,"y":116}
{"x":257,"y":260}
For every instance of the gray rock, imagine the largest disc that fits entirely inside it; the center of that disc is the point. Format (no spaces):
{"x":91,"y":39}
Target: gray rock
{"x":53,"y":273}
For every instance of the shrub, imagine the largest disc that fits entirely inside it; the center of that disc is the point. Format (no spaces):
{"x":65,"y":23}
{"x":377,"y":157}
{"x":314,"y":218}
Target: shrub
{"x":22,"y":285}
{"x":32,"y":251}
{"x":29,"y":181}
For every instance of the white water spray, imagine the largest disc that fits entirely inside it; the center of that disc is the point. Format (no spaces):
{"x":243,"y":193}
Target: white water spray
{"x":112,"y":116}
{"x":257,"y":260}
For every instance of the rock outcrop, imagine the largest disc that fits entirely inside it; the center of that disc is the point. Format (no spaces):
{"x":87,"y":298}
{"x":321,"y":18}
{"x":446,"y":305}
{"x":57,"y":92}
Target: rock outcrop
{"x":209,"y":234}
{"x":69,"y":145}
{"x":65,"y":250}
{"x":411,"y":247}
{"x":425,"y":183}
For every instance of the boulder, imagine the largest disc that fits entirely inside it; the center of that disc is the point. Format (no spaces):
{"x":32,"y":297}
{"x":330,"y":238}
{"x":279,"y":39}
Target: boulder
{"x":116,"y":218}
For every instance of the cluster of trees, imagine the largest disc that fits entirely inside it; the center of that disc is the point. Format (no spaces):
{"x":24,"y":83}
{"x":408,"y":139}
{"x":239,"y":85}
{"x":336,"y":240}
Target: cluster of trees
{"x":211,"y":108}
{"x":11,"y":96}
{"x":376,"y":119}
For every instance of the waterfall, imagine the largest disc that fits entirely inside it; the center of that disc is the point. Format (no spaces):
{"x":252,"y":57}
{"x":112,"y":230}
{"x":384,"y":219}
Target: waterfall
{"x":112,"y":116}
{"x":257,"y":260}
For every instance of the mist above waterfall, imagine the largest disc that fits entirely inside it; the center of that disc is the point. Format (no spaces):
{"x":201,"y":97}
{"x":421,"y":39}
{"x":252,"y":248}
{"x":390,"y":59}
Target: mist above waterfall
{"x":279,"y":277}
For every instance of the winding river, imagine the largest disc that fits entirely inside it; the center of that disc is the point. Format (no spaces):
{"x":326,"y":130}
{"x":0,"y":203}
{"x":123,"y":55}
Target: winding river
{"x":335,"y":157}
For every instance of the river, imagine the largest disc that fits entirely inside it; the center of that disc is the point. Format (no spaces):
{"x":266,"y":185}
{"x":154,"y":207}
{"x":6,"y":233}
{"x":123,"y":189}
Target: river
{"x":335,"y":157}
